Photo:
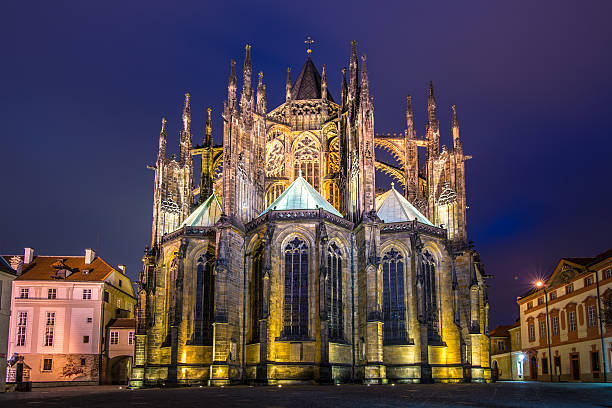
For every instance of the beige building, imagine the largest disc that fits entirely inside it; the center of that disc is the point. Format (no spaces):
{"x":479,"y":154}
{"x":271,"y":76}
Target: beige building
{"x":7,"y":274}
{"x":61,"y":306}
{"x":120,"y":349}
{"x":507,"y":357}
{"x":580,"y":341}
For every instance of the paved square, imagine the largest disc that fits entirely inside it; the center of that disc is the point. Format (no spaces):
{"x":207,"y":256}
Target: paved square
{"x":539,"y":395}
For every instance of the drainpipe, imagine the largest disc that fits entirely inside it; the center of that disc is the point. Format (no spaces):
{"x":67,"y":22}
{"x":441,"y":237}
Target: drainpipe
{"x":601,"y":332}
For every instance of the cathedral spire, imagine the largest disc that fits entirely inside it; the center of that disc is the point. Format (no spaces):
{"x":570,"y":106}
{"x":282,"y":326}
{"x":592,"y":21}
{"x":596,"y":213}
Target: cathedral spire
{"x":231,"y":87}
{"x":409,"y":115}
{"x":261,"y":96}
{"x":247,"y":93}
{"x":206,"y":171}
{"x":365,"y":81}
{"x":288,"y":85}
{"x":344,"y":89}
{"x":162,"y":141}
{"x":455,"y":122}
{"x":431,"y":109}
{"x":353,"y":69}
{"x":323,"y":84}
{"x":185,"y":142}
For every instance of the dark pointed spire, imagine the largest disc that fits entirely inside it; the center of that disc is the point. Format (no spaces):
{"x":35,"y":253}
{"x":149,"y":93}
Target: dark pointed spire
{"x":409,"y":114}
{"x":455,"y":121}
{"x":344,"y":89}
{"x":431,"y":109}
{"x":248,"y":69}
{"x":231,"y":87}
{"x":365,"y":81}
{"x":208,"y":130}
{"x":185,"y":142}
{"x":162,"y":140}
{"x":206,"y":172}
{"x":323,"y":84}
{"x":288,"y":85}
{"x":261,"y":96}
{"x":353,"y":68}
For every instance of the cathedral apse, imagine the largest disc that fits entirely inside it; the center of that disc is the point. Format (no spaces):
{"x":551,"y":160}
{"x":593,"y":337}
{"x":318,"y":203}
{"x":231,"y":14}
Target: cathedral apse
{"x":287,"y":265}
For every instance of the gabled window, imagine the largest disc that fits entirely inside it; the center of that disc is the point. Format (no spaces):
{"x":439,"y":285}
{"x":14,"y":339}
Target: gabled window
{"x":295,"y":314}
{"x":334,"y":292}
{"x":394,"y":304}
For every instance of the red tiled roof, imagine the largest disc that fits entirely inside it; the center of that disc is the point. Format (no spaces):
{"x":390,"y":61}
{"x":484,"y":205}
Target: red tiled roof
{"x":122,"y":323}
{"x":501,"y":330}
{"x":47,"y":268}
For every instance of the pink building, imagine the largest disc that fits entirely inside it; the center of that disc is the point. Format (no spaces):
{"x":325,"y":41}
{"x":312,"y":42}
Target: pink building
{"x":60,"y":309}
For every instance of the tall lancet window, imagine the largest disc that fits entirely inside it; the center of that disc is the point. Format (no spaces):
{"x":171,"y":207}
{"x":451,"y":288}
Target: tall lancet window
{"x":431,"y":298}
{"x":394,"y":304}
{"x":334,"y":293}
{"x":256,"y":291}
{"x":296,"y":290}
{"x":306,"y":160}
{"x":205,"y":300}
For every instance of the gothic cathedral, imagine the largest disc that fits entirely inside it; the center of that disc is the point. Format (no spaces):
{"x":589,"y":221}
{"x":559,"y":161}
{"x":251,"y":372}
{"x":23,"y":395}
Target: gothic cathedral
{"x":292,"y":266}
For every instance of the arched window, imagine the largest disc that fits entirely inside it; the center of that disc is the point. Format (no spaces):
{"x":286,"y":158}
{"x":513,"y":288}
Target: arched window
{"x":256,"y":291}
{"x":332,"y":194}
{"x":275,"y":159}
{"x":431,"y":298}
{"x":296,"y":290}
{"x":307,"y":161}
{"x":274,"y":191}
{"x":334,"y":292}
{"x":394,"y":305}
{"x":205,"y":300}
{"x":172,"y":275}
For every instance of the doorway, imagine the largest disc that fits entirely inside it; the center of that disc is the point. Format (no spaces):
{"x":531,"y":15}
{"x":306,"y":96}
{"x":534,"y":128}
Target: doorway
{"x":575,"y":366}
{"x":533,"y":366}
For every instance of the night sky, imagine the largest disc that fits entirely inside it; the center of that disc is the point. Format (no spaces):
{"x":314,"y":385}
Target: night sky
{"x":83,"y":88}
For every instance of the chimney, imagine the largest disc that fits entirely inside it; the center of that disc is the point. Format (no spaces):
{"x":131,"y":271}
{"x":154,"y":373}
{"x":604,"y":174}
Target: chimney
{"x":121,"y":268}
{"x":28,"y":256}
{"x":90,"y":255}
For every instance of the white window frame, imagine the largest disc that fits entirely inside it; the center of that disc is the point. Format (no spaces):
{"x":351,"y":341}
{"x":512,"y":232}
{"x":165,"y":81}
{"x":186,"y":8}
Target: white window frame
{"x":22,"y":324}
{"x":86,"y":294}
{"x":591,"y":316}
{"x":24,"y":293}
{"x":555,"y":325}
{"x":531,"y":330}
{"x":571,"y":321}
{"x":52,"y":293}
{"x":131,"y":338}
{"x":49,"y":329}
{"x":542,"y":329}
{"x":114,"y":337}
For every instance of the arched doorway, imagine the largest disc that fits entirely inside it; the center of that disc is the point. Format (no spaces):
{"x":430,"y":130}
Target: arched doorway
{"x":119,"y":370}
{"x":495,"y":371}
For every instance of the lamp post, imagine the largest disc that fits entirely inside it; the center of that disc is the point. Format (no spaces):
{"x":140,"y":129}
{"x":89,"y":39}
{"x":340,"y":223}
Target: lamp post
{"x":540,"y":284}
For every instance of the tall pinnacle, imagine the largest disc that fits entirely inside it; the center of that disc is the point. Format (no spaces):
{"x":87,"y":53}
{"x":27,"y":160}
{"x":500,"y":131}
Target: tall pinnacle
{"x":231,"y":86}
{"x":288,"y":85}
{"x":324,"y":84}
{"x":455,"y":121}
{"x":353,"y":68}
{"x":248,"y":69}
{"x":431,"y":109}
{"x":187,"y":115}
{"x":261,"y":96}
{"x":365,"y":81}
{"x":409,"y":114}
{"x":162,"y":140}
{"x":208,"y":128}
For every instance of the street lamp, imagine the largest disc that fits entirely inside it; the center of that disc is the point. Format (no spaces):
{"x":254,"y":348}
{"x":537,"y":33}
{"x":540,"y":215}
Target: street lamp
{"x":540,"y":284}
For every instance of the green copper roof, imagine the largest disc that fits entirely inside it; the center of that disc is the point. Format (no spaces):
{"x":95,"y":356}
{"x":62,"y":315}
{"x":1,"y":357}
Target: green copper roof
{"x":393,"y":207}
{"x":206,"y":215}
{"x":301,"y":196}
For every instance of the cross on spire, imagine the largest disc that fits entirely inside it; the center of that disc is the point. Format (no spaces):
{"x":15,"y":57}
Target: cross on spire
{"x":309,"y":41}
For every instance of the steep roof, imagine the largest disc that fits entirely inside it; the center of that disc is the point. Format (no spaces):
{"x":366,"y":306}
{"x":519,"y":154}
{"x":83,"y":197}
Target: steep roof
{"x":47,"y":268}
{"x":501,"y":330}
{"x":122,"y":323}
{"x":206,"y":215}
{"x":393,"y":207}
{"x":308,"y":83}
{"x":301,"y":196}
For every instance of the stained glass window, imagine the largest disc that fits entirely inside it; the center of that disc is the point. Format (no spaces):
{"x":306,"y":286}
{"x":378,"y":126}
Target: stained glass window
{"x":431,"y":298}
{"x":334,"y":292}
{"x":296,"y":289}
{"x":256,"y":292}
{"x":307,"y":161}
{"x":205,"y":300}
{"x":394,"y":305}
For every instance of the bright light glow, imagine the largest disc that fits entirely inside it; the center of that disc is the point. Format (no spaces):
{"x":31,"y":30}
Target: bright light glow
{"x":539,"y":284}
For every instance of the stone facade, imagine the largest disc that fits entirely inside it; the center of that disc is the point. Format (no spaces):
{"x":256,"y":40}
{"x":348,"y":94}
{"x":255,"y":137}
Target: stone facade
{"x":305,"y":276}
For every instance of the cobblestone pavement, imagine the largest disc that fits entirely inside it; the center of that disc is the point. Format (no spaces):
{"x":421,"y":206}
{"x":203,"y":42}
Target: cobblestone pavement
{"x":539,"y":395}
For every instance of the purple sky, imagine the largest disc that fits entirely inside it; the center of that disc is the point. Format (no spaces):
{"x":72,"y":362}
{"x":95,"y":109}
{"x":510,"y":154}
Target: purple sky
{"x":84,"y":88}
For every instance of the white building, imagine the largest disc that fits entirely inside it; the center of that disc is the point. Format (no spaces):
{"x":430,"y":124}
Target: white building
{"x":61,"y":306}
{"x":7,"y":274}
